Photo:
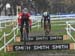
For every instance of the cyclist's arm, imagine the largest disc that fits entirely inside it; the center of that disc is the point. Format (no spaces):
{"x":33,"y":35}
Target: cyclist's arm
{"x":19,"y":19}
{"x":30,"y":22}
{"x":29,"y":18}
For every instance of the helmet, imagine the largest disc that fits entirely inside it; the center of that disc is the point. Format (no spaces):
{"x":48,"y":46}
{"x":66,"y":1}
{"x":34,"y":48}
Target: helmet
{"x":45,"y":13}
{"x":25,"y":10}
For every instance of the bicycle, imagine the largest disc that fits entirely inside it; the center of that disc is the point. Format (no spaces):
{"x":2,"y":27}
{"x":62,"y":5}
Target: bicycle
{"x":46,"y":28}
{"x":25,"y":33}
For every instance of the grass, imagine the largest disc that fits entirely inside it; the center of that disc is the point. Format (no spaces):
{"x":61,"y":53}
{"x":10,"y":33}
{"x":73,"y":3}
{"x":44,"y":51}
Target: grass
{"x":57,"y":29}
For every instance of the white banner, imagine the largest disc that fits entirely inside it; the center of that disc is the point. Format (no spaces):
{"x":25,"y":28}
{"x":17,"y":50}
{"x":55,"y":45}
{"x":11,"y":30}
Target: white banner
{"x":35,"y":18}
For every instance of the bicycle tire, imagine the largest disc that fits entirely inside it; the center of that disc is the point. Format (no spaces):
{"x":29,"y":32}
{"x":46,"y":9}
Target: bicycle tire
{"x":46,"y":29}
{"x":24,"y":35}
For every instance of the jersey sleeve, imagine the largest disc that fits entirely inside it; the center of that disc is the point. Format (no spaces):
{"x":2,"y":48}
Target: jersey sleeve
{"x":19,"y":18}
{"x":28,"y":14}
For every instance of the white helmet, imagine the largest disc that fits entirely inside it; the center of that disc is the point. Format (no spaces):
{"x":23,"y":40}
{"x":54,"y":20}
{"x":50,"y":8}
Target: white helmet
{"x":45,"y":13}
{"x":25,"y":10}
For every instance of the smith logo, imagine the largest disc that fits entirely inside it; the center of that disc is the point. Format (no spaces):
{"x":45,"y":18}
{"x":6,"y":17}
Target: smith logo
{"x":41,"y":38}
{"x":41,"y":47}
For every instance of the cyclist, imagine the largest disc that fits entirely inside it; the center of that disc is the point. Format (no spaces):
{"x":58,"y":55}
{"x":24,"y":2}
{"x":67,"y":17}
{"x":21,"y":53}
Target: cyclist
{"x":24,"y":17}
{"x":46,"y":17}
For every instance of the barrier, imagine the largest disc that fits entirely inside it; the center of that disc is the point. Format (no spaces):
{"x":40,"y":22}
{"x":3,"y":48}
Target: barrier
{"x":44,"y":38}
{"x":68,"y":30}
{"x":5,"y":24}
{"x":6,"y":43}
{"x":4,"y":36}
{"x":8,"y":33}
{"x":68,"y":46}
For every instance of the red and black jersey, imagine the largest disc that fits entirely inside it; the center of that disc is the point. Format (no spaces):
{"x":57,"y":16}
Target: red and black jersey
{"x":22,"y":16}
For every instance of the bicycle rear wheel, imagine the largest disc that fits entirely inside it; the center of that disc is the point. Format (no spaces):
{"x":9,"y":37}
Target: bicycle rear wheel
{"x":46,"y":32}
{"x":46,"y":28}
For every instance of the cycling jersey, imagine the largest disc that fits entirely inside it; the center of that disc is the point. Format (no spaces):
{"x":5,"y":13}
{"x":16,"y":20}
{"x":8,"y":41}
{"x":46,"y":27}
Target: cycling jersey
{"x":46,"y":17}
{"x":21,"y":17}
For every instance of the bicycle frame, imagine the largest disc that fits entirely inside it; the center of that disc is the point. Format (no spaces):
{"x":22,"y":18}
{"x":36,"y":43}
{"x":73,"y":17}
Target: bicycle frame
{"x":24,"y":33}
{"x":46,"y":28}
